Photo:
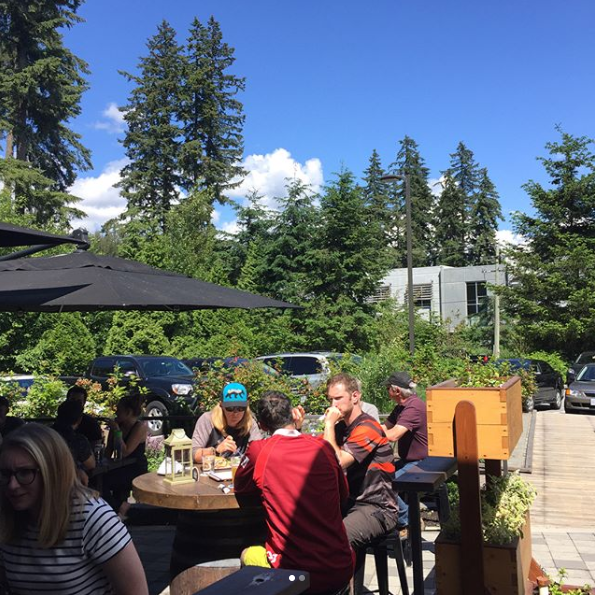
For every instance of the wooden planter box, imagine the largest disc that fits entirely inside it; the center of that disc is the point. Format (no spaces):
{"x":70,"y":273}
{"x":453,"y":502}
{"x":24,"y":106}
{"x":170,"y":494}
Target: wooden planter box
{"x":506,"y":567}
{"x":499,"y":417}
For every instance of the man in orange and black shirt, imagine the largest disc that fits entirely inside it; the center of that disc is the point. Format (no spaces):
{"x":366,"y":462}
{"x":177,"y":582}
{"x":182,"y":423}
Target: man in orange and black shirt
{"x":367,"y":458}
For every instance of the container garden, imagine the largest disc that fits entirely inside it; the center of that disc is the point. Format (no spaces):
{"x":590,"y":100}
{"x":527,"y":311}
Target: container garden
{"x":499,"y":417}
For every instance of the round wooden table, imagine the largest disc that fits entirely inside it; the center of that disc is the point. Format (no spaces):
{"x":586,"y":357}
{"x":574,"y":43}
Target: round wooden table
{"x":211,"y":525}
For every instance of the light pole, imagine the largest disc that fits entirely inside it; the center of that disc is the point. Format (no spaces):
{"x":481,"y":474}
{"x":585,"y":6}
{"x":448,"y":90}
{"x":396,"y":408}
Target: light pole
{"x":410,"y":301}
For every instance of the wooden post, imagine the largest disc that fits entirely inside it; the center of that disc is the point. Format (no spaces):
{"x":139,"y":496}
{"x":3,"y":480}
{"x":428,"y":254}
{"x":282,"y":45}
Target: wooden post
{"x":465,"y":430}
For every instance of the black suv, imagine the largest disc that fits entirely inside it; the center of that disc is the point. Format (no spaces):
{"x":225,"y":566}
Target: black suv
{"x":166,"y":379}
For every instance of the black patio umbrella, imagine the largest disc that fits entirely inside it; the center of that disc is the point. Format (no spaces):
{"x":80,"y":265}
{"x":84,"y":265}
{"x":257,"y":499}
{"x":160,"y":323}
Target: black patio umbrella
{"x":12,"y":236}
{"x":86,"y":282}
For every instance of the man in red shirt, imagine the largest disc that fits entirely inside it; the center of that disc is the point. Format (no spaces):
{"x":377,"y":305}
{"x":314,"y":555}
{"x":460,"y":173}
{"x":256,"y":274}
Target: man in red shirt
{"x":366,"y":456}
{"x":407,"y":425}
{"x":302,"y":488}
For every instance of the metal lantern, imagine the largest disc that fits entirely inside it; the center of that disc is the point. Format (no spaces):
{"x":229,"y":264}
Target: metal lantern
{"x":178,"y":457}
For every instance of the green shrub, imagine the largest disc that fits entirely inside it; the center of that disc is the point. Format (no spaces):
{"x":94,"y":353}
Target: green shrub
{"x":42,"y":400}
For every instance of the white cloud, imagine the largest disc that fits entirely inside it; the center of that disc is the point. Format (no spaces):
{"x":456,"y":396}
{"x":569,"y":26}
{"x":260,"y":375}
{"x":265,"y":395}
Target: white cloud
{"x":268,"y":175}
{"x":506,"y":236}
{"x":100,"y":200}
{"x":114,"y":120}
{"x":436,"y":185}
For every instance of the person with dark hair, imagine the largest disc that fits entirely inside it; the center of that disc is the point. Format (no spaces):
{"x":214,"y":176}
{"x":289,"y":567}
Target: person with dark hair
{"x":69,"y":415}
{"x":56,"y":536}
{"x":8,"y":423}
{"x":302,"y":488}
{"x":118,"y":482}
{"x":88,"y":426}
{"x":367,"y":458}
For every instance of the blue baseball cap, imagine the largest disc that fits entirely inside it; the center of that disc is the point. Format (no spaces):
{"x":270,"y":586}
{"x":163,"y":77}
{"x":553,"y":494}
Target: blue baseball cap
{"x":234,"y":395}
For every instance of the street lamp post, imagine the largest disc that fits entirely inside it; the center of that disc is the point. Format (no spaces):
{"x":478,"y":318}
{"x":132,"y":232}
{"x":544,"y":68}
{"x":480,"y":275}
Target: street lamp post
{"x":410,"y":301}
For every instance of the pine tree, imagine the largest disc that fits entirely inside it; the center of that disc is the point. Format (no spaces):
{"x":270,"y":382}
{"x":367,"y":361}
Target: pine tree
{"x":451,"y":226}
{"x":41,"y":84}
{"x":552,"y":298}
{"x":212,"y":117}
{"x":410,"y":162}
{"x":380,"y":214}
{"x":289,"y":253}
{"x":151,"y":180}
{"x":483,"y":224}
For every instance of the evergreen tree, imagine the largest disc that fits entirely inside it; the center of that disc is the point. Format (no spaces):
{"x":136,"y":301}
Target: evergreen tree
{"x":381,"y":217}
{"x":410,"y":162}
{"x":289,"y":254}
{"x":483,"y":224}
{"x":41,"y":83}
{"x":552,"y":298}
{"x":451,"y":226}
{"x":151,"y":180}
{"x":349,"y":263}
{"x":212,"y":118}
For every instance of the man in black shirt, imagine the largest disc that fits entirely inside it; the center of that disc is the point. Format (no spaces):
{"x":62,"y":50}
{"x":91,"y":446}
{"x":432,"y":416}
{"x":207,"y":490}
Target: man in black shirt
{"x":89,"y":427}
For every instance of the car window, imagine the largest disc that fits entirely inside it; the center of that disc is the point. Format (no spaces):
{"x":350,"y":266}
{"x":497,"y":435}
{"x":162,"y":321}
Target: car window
{"x":546,"y":368}
{"x":279,"y":363}
{"x":103,"y":367}
{"x":164,"y":367}
{"x":587,"y":374}
{"x":586,"y":357}
{"x":299,"y":366}
{"x":126,"y":367}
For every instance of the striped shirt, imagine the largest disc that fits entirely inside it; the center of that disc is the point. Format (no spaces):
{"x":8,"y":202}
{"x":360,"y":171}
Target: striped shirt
{"x":95,"y":535}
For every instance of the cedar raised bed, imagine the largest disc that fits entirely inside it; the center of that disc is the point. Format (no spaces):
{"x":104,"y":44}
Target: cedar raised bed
{"x":499,"y":417}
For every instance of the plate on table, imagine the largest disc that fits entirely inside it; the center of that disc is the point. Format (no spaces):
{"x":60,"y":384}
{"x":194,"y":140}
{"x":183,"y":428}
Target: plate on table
{"x":220,"y":474}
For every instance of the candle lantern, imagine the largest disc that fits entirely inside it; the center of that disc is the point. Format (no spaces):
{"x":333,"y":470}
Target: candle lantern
{"x":178,"y":457}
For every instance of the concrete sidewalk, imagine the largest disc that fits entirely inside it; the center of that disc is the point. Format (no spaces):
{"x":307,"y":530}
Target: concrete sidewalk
{"x":553,"y":549}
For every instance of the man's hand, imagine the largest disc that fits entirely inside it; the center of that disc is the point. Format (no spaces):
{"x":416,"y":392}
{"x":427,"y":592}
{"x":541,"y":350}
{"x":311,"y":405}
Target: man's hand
{"x":331,"y":416}
{"x":227,"y":445}
{"x":298,"y":413}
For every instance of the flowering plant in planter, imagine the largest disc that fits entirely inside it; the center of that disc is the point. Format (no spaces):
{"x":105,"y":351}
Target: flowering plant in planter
{"x":504,"y":509}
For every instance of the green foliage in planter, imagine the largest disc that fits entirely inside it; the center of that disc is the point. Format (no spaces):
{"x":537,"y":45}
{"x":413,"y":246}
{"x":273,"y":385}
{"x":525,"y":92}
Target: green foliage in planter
{"x":155,"y":456}
{"x":555,"y":587}
{"x":504,"y":508}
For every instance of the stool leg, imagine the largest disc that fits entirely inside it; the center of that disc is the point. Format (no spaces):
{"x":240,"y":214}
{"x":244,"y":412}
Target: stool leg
{"x":380,"y":558}
{"x":400,"y":558}
{"x":443,"y":504}
{"x":360,"y":568}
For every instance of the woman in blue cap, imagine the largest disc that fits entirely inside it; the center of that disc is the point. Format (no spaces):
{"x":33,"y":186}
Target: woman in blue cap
{"x":227,"y":429}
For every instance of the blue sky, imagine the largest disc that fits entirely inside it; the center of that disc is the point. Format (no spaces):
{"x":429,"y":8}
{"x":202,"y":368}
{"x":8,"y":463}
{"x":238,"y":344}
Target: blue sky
{"x":329,"y":81}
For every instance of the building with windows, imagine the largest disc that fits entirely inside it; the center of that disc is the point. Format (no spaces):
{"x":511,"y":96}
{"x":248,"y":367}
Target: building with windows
{"x":452,"y":294}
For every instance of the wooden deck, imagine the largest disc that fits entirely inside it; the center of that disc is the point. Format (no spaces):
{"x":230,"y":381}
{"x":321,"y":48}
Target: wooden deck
{"x":564,"y":471}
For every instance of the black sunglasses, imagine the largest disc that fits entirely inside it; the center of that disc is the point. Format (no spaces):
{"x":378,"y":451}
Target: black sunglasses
{"x":234,"y":409}
{"x":25,"y":475}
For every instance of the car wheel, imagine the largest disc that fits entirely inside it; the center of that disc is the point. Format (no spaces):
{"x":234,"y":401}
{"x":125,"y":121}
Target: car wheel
{"x":529,"y":405}
{"x":156,"y":409}
{"x":557,"y":402}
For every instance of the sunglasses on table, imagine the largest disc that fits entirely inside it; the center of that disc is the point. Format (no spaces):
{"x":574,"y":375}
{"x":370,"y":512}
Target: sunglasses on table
{"x":24,"y":475}
{"x":234,"y":409}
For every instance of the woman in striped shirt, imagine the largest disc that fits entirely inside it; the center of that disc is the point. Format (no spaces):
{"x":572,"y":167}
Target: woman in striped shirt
{"x":56,"y":536}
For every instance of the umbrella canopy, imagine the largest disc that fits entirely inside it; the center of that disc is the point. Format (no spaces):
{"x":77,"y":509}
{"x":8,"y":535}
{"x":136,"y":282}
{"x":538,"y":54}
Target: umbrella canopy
{"x":12,"y":236}
{"x":86,"y":282}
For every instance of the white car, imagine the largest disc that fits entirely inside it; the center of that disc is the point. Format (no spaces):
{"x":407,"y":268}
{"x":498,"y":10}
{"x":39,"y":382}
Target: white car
{"x":313,"y":366}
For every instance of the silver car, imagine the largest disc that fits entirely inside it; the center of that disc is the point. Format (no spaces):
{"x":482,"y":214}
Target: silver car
{"x":580,"y":395}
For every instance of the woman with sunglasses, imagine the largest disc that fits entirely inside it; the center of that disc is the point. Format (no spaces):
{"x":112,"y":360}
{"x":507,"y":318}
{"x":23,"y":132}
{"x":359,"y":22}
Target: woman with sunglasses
{"x":56,"y":535}
{"x":227,"y":429}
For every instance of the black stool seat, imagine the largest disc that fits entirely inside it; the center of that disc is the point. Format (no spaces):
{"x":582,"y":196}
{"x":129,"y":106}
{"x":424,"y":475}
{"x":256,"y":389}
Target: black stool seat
{"x":379,"y":547}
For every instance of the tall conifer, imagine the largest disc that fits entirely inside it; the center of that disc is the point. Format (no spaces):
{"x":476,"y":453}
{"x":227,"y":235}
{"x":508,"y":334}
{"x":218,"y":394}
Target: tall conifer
{"x":150,"y":182}
{"x":451,"y":224}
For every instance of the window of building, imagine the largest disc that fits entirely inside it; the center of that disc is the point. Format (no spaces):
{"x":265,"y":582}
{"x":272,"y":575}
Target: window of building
{"x":422,"y":296}
{"x":381,"y":294}
{"x":477,"y":295}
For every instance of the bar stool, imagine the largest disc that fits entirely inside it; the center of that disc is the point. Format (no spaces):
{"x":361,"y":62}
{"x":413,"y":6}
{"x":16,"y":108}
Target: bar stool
{"x":380,"y":548}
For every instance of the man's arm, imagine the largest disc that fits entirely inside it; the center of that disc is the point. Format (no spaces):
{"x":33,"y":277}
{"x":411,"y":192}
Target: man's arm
{"x":332,"y":416}
{"x":394,"y":433}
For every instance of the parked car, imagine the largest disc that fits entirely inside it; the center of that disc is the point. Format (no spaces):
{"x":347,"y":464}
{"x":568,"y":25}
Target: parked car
{"x":22,"y":381}
{"x":586,"y":357}
{"x":580,"y":394}
{"x":550,"y":385}
{"x":312,"y":366}
{"x":165,"y":378}
{"x":203,"y":364}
